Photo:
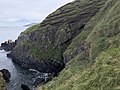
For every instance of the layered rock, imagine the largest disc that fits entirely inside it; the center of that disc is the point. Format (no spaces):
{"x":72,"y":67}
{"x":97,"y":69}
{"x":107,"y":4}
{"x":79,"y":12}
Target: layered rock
{"x":93,"y":57}
{"x":83,"y":43}
{"x":42,"y":46}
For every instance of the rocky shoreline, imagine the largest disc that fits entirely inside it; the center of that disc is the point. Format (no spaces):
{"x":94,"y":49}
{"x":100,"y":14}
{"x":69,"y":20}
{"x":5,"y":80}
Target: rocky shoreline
{"x":8,"y":45}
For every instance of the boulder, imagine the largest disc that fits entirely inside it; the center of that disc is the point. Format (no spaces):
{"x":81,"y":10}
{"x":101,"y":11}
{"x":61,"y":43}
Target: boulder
{"x":0,"y":48}
{"x":6,"y":74}
{"x":24,"y":87}
{"x":8,"y":45}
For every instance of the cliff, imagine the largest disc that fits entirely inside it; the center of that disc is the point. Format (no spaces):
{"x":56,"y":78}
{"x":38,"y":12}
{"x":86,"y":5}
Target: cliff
{"x":93,"y":55}
{"x":42,"y":46}
{"x":82,"y":39}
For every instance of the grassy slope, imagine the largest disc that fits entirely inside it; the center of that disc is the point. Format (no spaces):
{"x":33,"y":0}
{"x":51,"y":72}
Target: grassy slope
{"x":98,"y":66}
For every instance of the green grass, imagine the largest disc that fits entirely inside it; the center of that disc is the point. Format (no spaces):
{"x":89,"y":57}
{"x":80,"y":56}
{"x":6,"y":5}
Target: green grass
{"x":2,"y":83}
{"x":97,"y":67}
{"x":31,"y":29}
{"x":104,"y":74}
{"x":41,"y":55}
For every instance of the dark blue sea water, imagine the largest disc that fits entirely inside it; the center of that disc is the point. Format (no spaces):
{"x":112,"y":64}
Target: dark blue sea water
{"x":18,"y":74}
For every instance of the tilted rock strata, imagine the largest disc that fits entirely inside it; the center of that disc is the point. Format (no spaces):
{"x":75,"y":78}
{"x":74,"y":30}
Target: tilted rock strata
{"x":42,"y":46}
{"x":93,"y":55}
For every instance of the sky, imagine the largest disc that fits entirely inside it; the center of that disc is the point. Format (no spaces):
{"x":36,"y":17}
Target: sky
{"x":21,"y":12}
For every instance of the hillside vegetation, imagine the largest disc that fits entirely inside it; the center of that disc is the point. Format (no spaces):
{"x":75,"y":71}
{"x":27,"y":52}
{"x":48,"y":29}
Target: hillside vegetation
{"x":79,"y":42}
{"x":42,"y":46}
{"x":93,"y":55}
{"x":2,"y":83}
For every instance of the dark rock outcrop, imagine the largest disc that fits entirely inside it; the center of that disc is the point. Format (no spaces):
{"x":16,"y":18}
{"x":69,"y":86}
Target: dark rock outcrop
{"x":24,"y":87}
{"x":42,"y":46}
{"x":6,"y":74}
{"x":8,"y":45}
{"x":0,"y":48}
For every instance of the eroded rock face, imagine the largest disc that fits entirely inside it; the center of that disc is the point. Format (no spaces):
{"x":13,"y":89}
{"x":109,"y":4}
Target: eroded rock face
{"x":42,"y":46}
{"x":6,"y":74}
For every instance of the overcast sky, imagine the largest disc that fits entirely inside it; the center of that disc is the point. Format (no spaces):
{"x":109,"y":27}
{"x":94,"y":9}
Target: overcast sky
{"x":21,"y":12}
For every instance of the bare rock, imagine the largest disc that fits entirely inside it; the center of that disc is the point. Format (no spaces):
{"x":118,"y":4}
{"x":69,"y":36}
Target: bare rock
{"x":6,"y":74}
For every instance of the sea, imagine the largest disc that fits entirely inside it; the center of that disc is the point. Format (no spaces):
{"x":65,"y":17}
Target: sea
{"x":19,"y":75}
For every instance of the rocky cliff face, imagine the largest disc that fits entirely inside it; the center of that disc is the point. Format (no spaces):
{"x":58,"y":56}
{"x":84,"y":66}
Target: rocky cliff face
{"x":93,"y":55}
{"x":83,"y":37}
{"x":42,"y":46}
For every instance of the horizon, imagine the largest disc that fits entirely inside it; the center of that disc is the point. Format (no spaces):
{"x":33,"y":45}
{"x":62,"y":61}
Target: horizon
{"x":19,"y":13}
